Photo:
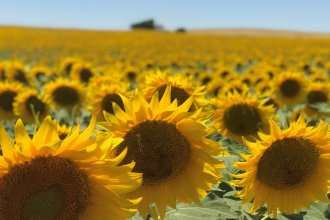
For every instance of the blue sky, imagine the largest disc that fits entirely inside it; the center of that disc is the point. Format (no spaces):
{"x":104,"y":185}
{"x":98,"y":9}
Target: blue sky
{"x":313,"y":15}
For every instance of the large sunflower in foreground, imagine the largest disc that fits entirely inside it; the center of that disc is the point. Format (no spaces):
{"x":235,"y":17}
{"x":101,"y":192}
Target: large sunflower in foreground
{"x":28,"y":105}
{"x":288,"y":169}
{"x":169,"y":145}
{"x":64,"y":93}
{"x":46,"y":178}
{"x":290,"y":88}
{"x":242,"y":115}
{"x":8,"y":92}
{"x":182,"y":88}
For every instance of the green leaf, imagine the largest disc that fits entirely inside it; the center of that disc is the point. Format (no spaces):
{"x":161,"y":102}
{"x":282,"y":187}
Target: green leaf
{"x":218,"y":212}
{"x":211,"y":209}
{"x":314,"y":213}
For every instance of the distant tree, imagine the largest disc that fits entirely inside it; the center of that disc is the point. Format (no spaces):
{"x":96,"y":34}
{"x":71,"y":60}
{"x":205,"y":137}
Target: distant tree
{"x":147,"y":24}
{"x":181,"y":30}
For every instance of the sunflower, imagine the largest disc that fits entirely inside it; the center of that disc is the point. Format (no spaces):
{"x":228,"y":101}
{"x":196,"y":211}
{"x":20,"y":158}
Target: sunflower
{"x":239,"y":64}
{"x":28,"y":105}
{"x":8,"y":92}
{"x":67,"y":64}
{"x":169,"y":145}
{"x":3,"y":68}
{"x":319,"y":76}
{"x":124,"y":71}
{"x":305,"y":67}
{"x":263,"y":71}
{"x":181,"y":88}
{"x":224,"y":72}
{"x":242,"y":115}
{"x":131,"y":73}
{"x":16,"y":72}
{"x":287,"y":169}
{"x":260,"y":79}
{"x":290,"y":88}
{"x":102,"y":99}
{"x":215,"y":86}
{"x":234,"y":86}
{"x":318,"y":93}
{"x":205,"y":79}
{"x":269,"y":70}
{"x":46,"y":178}
{"x":246,"y":79}
{"x":97,"y":82}
{"x":270,"y":101}
{"x":264,"y":88}
{"x":64,"y":93}
{"x":319,"y":62}
{"x":265,"y":91}
{"x":40,"y":71}
{"x":82,"y":72}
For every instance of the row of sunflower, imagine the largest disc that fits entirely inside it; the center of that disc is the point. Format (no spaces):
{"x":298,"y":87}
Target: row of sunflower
{"x":155,"y":137}
{"x":77,"y":84}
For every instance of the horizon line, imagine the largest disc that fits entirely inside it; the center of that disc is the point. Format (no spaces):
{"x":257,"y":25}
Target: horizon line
{"x":188,"y":29}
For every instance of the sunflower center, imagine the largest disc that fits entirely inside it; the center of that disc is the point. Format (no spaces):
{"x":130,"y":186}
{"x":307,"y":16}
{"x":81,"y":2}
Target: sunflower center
{"x":265,"y":89}
{"x":2,"y":73}
{"x":131,"y":75}
{"x":247,"y":82}
{"x":258,"y":81}
{"x":39,"y":74}
{"x":287,"y":163}
{"x":206,"y":80}
{"x":159,"y":150}
{"x":85,"y":75}
{"x":237,"y":89}
{"x":316,"y":97}
{"x":45,"y":204}
{"x":35,"y":103}
{"x":242,"y":119}
{"x":290,"y":88}
{"x":44,"y":188}
{"x":224,"y":74}
{"x":20,"y":76}
{"x":270,"y":74}
{"x":7,"y":99}
{"x":68,"y":67}
{"x":176,"y":93}
{"x":109,"y":99}
{"x":66,"y":95}
{"x":216,"y":91}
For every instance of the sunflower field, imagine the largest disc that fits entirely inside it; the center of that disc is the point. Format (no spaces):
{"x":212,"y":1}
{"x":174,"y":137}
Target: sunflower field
{"x":159,"y":125}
